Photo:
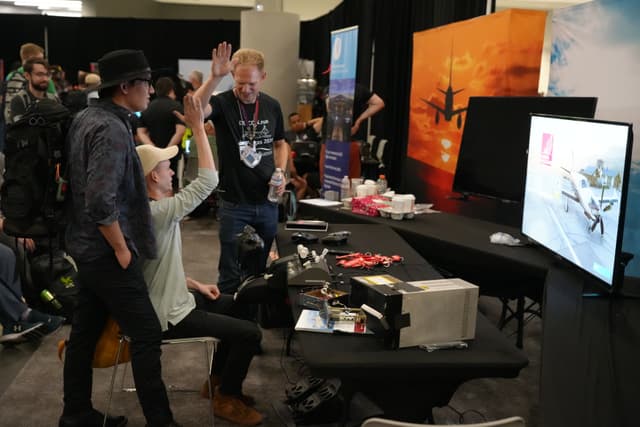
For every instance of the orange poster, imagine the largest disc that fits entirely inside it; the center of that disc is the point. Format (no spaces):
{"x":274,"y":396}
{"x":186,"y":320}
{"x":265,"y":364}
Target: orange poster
{"x":493,"y":55}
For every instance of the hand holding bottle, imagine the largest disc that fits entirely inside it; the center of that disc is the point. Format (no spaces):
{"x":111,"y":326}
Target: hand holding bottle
{"x":276,"y":186}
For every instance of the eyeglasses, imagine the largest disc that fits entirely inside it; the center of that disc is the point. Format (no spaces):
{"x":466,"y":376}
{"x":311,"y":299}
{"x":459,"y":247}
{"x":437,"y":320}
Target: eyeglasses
{"x":147,"y":81}
{"x":42,"y":74}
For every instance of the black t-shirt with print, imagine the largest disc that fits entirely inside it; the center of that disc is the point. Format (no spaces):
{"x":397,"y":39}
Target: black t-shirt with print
{"x":241,"y":183}
{"x":160,"y":121}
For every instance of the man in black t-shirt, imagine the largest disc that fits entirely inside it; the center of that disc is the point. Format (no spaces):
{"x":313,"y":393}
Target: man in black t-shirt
{"x":251,"y":147}
{"x":159,"y":126}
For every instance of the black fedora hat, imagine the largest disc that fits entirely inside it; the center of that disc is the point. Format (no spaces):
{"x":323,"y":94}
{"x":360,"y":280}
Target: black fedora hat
{"x":123,"y":65}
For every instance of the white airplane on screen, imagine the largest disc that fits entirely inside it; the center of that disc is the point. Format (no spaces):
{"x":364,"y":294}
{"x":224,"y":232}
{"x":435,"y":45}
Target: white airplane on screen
{"x":580,"y":192}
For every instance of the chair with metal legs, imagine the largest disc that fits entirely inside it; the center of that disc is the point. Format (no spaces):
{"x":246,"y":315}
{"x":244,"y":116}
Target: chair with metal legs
{"x":210,"y":345}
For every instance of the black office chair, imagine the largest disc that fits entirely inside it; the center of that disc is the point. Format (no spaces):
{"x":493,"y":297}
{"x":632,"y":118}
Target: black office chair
{"x":266,"y":289}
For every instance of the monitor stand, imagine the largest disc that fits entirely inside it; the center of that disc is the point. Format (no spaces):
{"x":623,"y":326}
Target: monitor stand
{"x":625,"y":287}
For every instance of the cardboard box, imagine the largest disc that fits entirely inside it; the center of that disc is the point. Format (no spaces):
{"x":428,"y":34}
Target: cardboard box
{"x":414,"y":313}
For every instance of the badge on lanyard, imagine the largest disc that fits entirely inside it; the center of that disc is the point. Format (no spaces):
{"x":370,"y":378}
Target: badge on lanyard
{"x":248,"y":153}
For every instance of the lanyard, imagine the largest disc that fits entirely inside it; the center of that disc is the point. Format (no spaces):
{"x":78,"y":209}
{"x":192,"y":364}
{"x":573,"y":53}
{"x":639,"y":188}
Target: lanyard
{"x":251,"y":129}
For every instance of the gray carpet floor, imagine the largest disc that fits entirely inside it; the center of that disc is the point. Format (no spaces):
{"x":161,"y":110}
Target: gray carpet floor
{"x":34,"y":397}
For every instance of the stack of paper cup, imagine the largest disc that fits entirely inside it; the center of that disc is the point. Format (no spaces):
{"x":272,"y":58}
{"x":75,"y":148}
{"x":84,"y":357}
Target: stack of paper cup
{"x":403,"y":203}
{"x":363,"y":190}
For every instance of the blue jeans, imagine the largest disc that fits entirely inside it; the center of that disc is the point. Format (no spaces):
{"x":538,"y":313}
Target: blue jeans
{"x":11,"y":305}
{"x":233,"y":218}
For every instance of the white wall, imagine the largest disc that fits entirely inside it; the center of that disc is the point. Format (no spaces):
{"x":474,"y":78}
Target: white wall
{"x":155,"y":10}
{"x":309,"y":9}
{"x":280,"y":48}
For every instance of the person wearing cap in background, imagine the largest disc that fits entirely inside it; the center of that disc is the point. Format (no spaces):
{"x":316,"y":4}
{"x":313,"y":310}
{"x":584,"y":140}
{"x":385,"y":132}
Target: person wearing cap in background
{"x":204,"y":311}
{"x":109,"y":231}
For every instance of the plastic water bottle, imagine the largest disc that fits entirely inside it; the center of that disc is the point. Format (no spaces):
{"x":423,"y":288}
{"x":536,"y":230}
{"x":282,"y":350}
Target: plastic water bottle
{"x":345,"y":188}
{"x":276,"y":180}
{"x":381,"y":184}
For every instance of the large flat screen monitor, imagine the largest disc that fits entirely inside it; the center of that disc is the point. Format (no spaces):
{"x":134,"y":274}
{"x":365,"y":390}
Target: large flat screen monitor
{"x":576,"y":189}
{"x":492,"y":156}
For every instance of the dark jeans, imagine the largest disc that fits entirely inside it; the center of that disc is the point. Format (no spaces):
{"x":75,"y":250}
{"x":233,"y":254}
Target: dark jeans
{"x":233,"y":218}
{"x":239,"y":339}
{"x":11,"y":305}
{"x":105,"y":288}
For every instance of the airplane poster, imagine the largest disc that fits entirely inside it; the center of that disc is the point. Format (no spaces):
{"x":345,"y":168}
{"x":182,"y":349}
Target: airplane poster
{"x":493,"y":55}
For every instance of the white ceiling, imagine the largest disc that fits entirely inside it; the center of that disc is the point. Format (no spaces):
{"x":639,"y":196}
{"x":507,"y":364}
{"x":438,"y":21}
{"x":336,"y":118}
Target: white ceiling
{"x":306,"y":9}
{"x":536,"y":4}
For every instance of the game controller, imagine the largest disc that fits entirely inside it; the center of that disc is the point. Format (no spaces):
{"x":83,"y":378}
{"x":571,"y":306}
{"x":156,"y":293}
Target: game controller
{"x":304,"y":237}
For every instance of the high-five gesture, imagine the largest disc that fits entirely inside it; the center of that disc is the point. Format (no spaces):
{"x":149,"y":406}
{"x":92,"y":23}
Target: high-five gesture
{"x":221,"y":63}
{"x":193,"y":116}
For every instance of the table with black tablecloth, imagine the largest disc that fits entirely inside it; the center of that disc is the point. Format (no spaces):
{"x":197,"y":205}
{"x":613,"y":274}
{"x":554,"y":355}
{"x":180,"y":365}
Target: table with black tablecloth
{"x":408,"y":382}
{"x":460,"y":245}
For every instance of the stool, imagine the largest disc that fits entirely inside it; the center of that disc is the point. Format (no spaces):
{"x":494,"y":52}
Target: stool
{"x":210,"y":345}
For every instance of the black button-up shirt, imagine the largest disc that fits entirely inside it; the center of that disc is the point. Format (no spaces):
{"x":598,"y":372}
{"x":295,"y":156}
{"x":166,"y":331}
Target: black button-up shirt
{"x":107,"y":184}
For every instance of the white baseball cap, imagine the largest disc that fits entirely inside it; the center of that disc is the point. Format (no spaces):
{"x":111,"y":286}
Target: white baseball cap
{"x":150,"y":156}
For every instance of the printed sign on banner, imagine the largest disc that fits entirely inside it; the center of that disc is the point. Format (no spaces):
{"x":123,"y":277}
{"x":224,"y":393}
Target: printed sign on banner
{"x":342,"y":82}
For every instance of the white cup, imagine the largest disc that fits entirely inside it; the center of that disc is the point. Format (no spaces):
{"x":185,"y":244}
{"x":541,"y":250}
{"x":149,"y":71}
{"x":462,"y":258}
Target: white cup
{"x":403,"y":203}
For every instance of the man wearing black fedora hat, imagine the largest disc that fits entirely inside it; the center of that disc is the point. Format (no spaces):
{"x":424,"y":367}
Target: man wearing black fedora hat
{"x":110,"y":230}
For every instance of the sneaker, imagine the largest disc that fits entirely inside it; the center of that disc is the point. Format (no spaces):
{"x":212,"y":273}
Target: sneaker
{"x":19,"y":332}
{"x":235,"y":410}
{"x":52,"y":323}
{"x":216,"y":381}
{"x":92,"y":419}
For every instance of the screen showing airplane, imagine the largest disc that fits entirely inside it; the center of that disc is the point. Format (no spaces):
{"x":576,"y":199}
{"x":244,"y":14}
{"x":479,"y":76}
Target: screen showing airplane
{"x":575,"y":190}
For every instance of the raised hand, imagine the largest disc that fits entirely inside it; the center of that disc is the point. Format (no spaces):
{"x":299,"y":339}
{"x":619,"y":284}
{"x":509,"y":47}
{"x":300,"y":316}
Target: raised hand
{"x":221,"y":62}
{"x":193,"y":115}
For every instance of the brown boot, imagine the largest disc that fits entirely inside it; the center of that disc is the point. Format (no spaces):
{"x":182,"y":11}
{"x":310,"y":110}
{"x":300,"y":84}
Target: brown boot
{"x":216,"y":381}
{"x":235,"y":410}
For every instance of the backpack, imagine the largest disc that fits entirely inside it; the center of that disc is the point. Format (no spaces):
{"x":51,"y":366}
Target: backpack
{"x":32,"y":194}
{"x":8,"y":90}
{"x":57,"y":273}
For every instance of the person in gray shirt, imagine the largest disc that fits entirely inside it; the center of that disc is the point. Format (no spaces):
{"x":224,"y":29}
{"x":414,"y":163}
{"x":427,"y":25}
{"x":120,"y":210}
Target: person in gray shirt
{"x":204,"y":311}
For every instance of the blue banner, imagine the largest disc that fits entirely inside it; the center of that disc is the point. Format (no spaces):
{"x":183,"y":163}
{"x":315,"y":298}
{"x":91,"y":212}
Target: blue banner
{"x":342,"y":83}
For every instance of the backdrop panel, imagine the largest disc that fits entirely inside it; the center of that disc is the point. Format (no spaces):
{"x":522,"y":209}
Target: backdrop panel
{"x":493,"y":55}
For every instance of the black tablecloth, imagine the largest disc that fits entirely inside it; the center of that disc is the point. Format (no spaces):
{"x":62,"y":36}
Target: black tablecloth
{"x":408,"y":381}
{"x":461,"y":245}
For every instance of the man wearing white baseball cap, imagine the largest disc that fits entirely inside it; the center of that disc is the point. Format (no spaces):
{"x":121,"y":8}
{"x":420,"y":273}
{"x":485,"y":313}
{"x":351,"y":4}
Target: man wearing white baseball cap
{"x":204,"y":311}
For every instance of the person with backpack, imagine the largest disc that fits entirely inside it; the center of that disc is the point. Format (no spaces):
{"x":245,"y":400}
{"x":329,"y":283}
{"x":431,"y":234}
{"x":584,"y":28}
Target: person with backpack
{"x":16,"y":80}
{"x":36,"y":71}
{"x":109,"y":232}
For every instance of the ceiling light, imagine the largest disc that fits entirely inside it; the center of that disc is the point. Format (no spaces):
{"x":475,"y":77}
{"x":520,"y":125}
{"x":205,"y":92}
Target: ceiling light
{"x":51,"y":4}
